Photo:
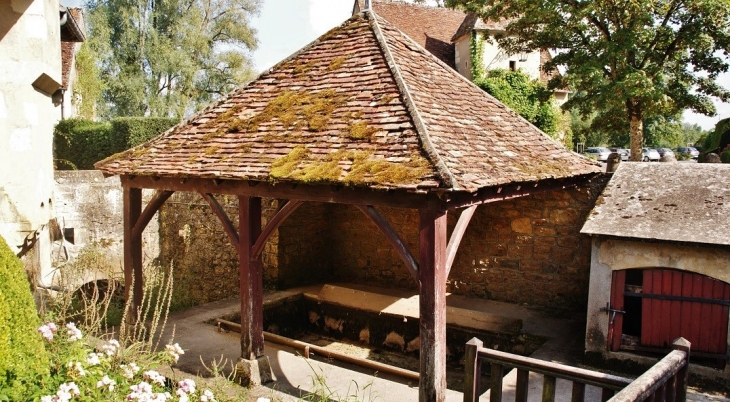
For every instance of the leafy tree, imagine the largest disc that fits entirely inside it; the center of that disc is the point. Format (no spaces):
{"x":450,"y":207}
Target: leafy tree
{"x":166,"y":58}
{"x":637,"y":59}
{"x":528,"y":98}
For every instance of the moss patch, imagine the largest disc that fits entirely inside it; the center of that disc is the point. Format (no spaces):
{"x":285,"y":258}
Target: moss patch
{"x":361,"y":131}
{"x":211,"y":150}
{"x":364,"y":168}
{"x":336,"y":63}
{"x":385,"y":99}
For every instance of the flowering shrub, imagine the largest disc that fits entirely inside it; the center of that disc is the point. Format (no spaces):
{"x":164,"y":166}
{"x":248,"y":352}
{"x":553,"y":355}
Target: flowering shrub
{"x":109,"y":372}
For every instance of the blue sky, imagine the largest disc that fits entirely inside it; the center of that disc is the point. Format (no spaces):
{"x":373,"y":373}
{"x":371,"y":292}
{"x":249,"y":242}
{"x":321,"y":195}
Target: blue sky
{"x":285,"y":26}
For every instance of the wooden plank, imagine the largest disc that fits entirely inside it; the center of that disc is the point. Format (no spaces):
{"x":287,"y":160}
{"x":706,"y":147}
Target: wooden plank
{"x":685,"y":309}
{"x":150,"y":210}
{"x":456,"y":236}
{"x":705,"y":317}
{"x":606,"y":394}
{"x":393,"y":237}
{"x":472,"y":370}
{"x":273,"y":224}
{"x":548,"y":388}
{"x":579,"y":392}
{"x":695,"y":311}
{"x":132,"y":204}
{"x":432,"y":305}
{"x":522,"y":386}
{"x":675,"y":307}
{"x":223,"y":217}
{"x":651,"y":381}
{"x":718,"y":324}
{"x":724,"y":322}
{"x":615,"y":329}
{"x":319,"y":193}
{"x":496,"y":377}
{"x":251,"y":279}
{"x":665,"y":336}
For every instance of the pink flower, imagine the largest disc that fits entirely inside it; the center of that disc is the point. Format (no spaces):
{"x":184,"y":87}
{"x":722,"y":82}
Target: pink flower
{"x":74,"y":334}
{"x":187,"y":386}
{"x":47,"y":330}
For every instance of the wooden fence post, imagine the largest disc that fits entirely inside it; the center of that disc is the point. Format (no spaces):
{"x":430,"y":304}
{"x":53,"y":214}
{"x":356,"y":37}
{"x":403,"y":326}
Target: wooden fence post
{"x":472,"y":370}
{"x":683,"y":374}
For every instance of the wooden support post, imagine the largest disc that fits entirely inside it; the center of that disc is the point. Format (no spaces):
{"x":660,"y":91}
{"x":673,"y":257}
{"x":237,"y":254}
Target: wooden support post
{"x":495,"y":392}
{"x":472,"y":370}
{"x":683,"y":373}
{"x":132,"y":200}
{"x":548,"y":388}
{"x":432,"y":304}
{"x":523,"y":385}
{"x":251,"y":278}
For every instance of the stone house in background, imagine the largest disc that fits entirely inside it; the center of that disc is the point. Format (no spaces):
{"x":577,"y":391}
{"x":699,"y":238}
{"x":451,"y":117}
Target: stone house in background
{"x":69,"y":49}
{"x":448,"y":34}
{"x":31,"y":32}
{"x":660,"y":263}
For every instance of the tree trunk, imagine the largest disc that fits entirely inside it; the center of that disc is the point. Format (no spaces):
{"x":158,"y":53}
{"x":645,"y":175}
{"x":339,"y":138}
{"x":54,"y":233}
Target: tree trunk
{"x":636,"y":129}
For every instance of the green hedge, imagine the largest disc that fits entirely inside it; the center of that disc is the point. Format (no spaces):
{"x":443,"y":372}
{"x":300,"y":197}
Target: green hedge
{"x":78,"y":143}
{"x":719,"y":139}
{"x":23,"y":356}
{"x":725,"y":156}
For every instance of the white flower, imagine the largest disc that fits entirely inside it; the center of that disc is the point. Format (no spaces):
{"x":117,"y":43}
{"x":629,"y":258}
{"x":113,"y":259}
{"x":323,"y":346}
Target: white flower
{"x":111,"y":347}
{"x":208,"y":396}
{"x":175,"y":351}
{"x":129,"y":370}
{"x":93,"y":359}
{"x":77,"y":368}
{"x":141,"y":391}
{"x":74,"y":334}
{"x":106,"y":382}
{"x":66,"y":391}
{"x":47,"y":398}
{"x":154,"y":377}
{"x":187,"y":386}
{"x":183,"y":396}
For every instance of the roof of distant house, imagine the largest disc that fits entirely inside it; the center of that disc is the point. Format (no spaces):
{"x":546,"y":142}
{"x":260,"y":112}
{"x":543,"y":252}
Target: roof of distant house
{"x":430,"y":27}
{"x":471,"y":22}
{"x":366,"y":106}
{"x":69,"y":47}
{"x":682,"y":202}
{"x":72,"y":29}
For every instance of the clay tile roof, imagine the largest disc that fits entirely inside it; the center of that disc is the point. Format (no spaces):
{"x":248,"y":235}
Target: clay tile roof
{"x":363,"y":105}
{"x":682,"y":202}
{"x":430,"y":27}
{"x":471,"y":21}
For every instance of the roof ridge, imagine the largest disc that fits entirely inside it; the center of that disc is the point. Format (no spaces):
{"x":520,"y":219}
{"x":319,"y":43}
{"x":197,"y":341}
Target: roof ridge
{"x":418,"y":123}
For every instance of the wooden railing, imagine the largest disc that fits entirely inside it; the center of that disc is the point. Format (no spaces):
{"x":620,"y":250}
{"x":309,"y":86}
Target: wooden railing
{"x":665,"y":381}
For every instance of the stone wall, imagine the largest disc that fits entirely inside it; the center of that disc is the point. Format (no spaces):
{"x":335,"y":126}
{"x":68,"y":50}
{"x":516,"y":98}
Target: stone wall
{"x":526,"y":250}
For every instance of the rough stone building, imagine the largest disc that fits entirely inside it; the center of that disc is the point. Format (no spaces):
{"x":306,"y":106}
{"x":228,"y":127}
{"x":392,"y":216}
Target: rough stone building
{"x":660,"y":263}
{"x":31,"y":32}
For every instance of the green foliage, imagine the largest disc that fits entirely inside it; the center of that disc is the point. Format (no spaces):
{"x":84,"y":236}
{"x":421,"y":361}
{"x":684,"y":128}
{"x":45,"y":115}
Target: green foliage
{"x":528,"y":98}
{"x":80,"y":143}
{"x":725,"y":156}
{"x":168,"y":58}
{"x":23,"y":360}
{"x":636,"y":59}
{"x":719,"y":138}
{"x":89,"y":85}
{"x":476,"y":56}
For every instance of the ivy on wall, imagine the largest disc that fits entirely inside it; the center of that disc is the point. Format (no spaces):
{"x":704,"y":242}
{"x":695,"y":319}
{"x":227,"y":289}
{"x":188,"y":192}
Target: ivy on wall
{"x":476,"y":56}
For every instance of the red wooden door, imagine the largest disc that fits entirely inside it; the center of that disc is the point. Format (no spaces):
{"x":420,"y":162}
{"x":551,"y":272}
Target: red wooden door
{"x":676,"y":303}
{"x":616,"y":319}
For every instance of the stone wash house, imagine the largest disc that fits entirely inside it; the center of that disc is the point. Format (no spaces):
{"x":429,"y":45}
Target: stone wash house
{"x":660,"y":263}
{"x":355,"y":151}
{"x":448,"y":34}
{"x":31,"y":32}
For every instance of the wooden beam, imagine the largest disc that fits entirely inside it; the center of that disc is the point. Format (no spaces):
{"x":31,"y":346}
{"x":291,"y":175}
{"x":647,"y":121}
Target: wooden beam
{"x":150,"y":210}
{"x":509,"y":191}
{"x":132,"y":200}
{"x":432,"y":305}
{"x":250,"y":279}
{"x":457,"y":235}
{"x":318,"y":193}
{"x":287,"y":209}
{"x":392,"y":236}
{"x":223,"y":217}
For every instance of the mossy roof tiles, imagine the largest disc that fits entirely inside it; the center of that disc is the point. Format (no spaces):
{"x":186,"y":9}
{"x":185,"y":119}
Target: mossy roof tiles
{"x":363,"y":105}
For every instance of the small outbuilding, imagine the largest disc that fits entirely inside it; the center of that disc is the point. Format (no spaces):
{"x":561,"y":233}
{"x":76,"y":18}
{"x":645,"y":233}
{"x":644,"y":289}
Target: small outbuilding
{"x":660,"y":262}
{"x":363,"y":116}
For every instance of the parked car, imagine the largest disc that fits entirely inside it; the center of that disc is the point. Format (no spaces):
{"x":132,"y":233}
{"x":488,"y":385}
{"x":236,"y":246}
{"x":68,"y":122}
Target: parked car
{"x":649,"y":155}
{"x":665,"y":152}
{"x":598,"y":153}
{"x":688,"y":151}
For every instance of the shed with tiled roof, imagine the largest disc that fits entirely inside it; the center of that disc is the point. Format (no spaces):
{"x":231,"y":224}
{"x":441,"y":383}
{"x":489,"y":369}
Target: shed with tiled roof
{"x":362,"y":116}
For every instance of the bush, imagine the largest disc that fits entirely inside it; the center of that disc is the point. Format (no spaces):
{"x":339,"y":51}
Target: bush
{"x":23,"y":358}
{"x":79,"y":143}
{"x":719,"y":139}
{"x":725,"y":155}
